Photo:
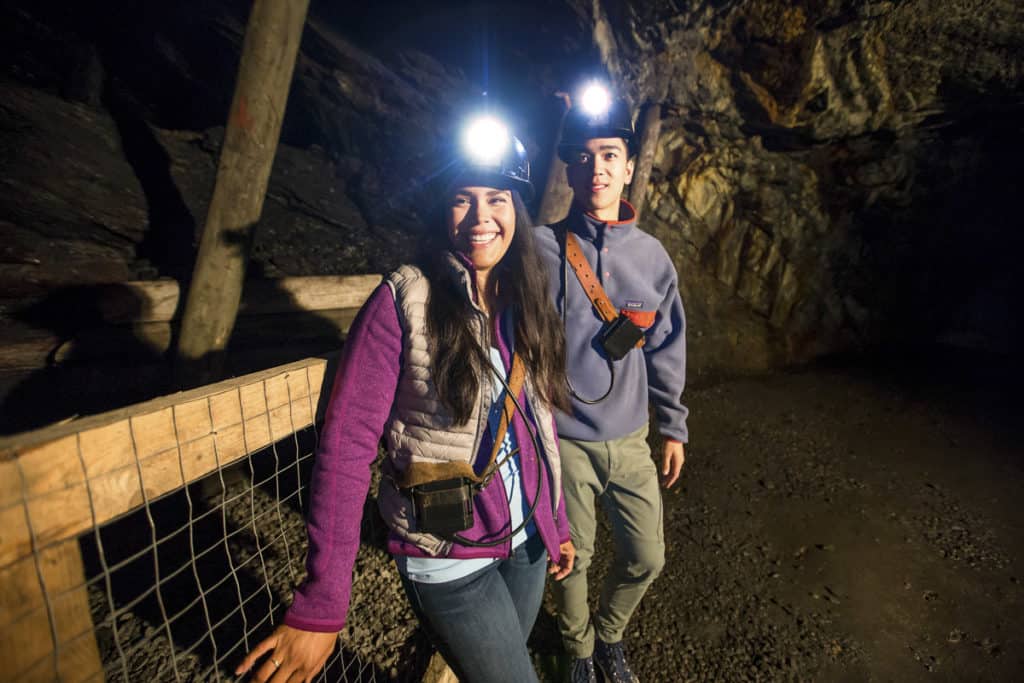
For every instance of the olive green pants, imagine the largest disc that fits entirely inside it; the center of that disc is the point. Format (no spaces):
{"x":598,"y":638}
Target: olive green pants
{"x":622,"y":475}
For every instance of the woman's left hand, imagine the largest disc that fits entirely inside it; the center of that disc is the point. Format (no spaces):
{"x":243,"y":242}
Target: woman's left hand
{"x":567,"y":557}
{"x":295,"y":655}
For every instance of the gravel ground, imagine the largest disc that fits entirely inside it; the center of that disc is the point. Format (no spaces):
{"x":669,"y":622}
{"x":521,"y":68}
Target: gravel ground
{"x":836,"y":525}
{"x":831,"y":525}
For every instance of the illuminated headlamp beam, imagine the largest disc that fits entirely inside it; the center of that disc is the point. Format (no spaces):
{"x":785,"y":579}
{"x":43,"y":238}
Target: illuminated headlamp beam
{"x":485,"y":141}
{"x":595,"y":100}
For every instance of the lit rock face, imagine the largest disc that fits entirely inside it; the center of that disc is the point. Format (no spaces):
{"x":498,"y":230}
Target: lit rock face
{"x":829,"y":174}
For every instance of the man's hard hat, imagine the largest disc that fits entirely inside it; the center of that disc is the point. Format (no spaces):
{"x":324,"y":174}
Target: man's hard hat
{"x":595,"y":115}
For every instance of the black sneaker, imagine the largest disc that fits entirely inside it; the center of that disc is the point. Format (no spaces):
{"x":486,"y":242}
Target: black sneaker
{"x":583,"y":671}
{"x":611,"y":659}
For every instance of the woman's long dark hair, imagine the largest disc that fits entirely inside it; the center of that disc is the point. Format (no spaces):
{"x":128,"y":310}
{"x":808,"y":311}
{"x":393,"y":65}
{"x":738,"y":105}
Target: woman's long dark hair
{"x":460,"y":364}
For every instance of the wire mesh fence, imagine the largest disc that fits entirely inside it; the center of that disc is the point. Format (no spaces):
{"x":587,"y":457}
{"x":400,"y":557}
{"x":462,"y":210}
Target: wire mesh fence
{"x":161,"y":542}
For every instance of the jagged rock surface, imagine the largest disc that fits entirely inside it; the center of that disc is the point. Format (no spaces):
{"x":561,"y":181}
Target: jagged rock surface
{"x":827,"y":171}
{"x":107,"y":177}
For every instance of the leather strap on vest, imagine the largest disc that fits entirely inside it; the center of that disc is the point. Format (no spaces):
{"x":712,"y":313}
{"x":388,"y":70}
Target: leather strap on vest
{"x":423,"y":472}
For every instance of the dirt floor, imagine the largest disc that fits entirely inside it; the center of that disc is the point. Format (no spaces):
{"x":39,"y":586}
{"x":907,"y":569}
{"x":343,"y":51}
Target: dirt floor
{"x":839,"y":525}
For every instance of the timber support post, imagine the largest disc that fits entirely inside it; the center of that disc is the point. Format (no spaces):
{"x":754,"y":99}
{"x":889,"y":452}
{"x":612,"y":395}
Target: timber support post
{"x":554,"y":204}
{"x":265,"y":71}
{"x":645,"y":159}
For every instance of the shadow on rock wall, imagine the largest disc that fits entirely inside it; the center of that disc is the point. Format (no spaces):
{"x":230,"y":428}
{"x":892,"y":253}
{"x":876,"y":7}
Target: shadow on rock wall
{"x":169,"y":242}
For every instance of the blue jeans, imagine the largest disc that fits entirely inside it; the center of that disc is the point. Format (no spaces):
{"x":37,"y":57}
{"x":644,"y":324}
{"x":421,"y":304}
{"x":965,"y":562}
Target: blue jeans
{"x":480,"y":622}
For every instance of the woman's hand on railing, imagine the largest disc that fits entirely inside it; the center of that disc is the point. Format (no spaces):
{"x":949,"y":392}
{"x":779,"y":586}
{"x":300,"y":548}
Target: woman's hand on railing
{"x":294,"y":655}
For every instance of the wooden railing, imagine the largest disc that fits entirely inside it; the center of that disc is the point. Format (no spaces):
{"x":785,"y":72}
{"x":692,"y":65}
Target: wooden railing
{"x":61,"y":484}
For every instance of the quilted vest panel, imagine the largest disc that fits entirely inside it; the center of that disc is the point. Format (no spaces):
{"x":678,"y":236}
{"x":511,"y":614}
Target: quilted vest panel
{"x":420,"y":427}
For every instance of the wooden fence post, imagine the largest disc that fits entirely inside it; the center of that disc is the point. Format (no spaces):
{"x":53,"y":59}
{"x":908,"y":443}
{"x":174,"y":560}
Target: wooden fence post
{"x":554,"y":204}
{"x":250,"y":141}
{"x":48,"y":632}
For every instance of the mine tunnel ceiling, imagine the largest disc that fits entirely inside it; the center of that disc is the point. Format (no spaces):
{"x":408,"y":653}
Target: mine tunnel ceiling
{"x":829,"y":175}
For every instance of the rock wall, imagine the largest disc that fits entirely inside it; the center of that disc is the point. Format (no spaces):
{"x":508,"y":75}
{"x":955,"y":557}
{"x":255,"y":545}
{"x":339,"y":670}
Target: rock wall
{"x":111,"y":121}
{"x":830,"y":175}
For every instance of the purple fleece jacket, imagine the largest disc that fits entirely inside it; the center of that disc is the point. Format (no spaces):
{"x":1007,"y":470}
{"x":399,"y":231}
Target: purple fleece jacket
{"x":359,"y":407}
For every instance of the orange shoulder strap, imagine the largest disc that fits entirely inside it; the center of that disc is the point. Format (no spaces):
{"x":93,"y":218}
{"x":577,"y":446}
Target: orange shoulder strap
{"x":422,"y":472}
{"x":515,"y":383}
{"x":585,"y":274}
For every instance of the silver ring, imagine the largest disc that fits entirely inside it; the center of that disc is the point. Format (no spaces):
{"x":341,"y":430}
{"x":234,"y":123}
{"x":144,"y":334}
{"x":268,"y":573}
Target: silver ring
{"x":277,"y":664}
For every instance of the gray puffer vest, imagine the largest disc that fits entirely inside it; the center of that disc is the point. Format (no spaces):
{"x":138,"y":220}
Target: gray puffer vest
{"x":420,"y":429}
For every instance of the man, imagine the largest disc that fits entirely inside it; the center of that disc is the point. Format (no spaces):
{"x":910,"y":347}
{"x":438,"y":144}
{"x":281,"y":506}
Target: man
{"x":604,"y":448}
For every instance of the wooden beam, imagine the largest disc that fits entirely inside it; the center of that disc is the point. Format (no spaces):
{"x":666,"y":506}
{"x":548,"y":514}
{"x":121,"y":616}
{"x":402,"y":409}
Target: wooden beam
{"x":158,"y":300}
{"x":45,"y":597}
{"x":29,"y":352}
{"x":142,"y":301}
{"x":645,"y":161}
{"x":154,"y":338}
{"x":58,"y":482}
{"x":311,"y":293}
{"x":140,"y":315}
{"x":254,"y":126}
{"x":554,"y":203}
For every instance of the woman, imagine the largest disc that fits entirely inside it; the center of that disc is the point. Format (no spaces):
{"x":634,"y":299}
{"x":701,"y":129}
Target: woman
{"x":428,"y":363}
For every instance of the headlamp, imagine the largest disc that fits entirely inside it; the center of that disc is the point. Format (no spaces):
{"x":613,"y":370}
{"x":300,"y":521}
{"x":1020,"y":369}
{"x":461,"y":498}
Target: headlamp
{"x":596,"y":113}
{"x":595,"y":100}
{"x":489,"y":155}
{"x":485,"y":141}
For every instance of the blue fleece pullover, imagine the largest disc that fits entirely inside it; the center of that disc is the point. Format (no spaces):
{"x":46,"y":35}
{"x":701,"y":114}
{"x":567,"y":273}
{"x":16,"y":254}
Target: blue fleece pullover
{"x":640,"y":279}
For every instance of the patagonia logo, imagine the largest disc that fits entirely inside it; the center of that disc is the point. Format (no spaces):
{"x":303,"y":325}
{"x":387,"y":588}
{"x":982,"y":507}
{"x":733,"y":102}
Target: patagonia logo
{"x":634,"y":304}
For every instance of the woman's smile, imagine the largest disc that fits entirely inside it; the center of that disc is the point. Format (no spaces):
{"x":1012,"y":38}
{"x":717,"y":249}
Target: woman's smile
{"x":481,"y":225}
{"x":482,"y":239}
